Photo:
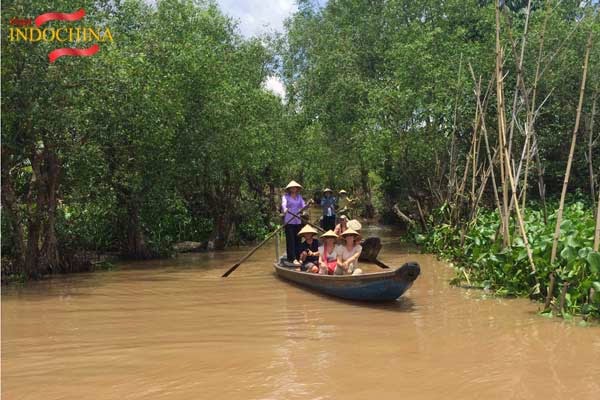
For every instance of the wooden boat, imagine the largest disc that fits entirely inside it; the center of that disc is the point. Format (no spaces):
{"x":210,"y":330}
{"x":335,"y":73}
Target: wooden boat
{"x":378,"y":286}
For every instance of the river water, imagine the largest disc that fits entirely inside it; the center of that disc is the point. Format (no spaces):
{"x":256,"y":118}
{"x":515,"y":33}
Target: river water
{"x":173,"y":329}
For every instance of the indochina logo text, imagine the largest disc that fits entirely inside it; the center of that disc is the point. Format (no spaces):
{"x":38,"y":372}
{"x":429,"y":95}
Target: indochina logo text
{"x":23,"y":30}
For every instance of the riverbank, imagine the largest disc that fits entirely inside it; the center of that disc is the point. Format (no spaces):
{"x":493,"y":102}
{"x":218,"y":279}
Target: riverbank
{"x":569,"y":287}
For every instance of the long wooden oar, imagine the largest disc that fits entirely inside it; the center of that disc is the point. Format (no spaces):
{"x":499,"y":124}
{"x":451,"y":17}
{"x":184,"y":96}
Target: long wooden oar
{"x":371,"y":247}
{"x":317,"y":227}
{"x":237,"y":264}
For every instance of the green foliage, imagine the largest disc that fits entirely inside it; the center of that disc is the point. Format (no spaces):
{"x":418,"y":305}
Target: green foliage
{"x":165,"y":135}
{"x":507,"y":270}
{"x":378,"y":83}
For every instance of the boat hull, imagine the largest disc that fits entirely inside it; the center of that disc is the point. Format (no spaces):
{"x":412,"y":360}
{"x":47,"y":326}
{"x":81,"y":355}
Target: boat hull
{"x":380,"y":286}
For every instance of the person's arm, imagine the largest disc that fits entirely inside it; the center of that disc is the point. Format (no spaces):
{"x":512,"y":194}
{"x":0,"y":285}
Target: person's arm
{"x":314,"y":253}
{"x":355,"y":256}
{"x":302,"y":210}
{"x":341,"y":263}
{"x":284,"y":204}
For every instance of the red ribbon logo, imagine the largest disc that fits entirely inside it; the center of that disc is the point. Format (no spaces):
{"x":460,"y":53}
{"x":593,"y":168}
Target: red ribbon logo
{"x":42,"y":19}
{"x":66,"y":51}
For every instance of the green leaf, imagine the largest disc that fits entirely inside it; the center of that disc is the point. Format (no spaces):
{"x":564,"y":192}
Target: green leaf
{"x":584,"y":252}
{"x":593,"y":259}
{"x":568,"y":253}
{"x":572,"y":241}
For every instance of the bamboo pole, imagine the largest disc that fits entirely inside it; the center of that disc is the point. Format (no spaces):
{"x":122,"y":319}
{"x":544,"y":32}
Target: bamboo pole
{"x":530,"y":135}
{"x":486,"y":174}
{"x":549,"y":292}
{"x":519,"y":216}
{"x":452,"y":166}
{"x":487,"y":144}
{"x":504,"y":148}
{"x":591,"y":145}
{"x":597,"y":233}
{"x":504,"y":165}
{"x":563,"y":295}
{"x":524,"y":187}
{"x":519,"y":77}
{"x":571,"y":152}
{"x":459,"y":192}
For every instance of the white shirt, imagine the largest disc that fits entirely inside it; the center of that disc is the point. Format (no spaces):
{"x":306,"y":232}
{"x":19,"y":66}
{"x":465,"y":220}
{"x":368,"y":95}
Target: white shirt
{"x":343,"y":251}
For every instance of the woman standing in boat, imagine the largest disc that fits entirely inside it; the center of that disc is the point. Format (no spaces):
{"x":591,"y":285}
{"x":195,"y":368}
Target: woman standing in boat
{"x":344,"y":203}
{"x":292,"y":201}
{"x":348,"y":254}
{"x":328,"y":205}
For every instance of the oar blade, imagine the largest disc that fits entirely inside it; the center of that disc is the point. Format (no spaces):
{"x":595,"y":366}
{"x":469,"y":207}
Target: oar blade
{"x":230,"y":270}
{"x":370,"y":249}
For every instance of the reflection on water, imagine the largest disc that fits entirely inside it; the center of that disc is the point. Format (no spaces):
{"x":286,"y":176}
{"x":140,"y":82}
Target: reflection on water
{"x":174,"y":329}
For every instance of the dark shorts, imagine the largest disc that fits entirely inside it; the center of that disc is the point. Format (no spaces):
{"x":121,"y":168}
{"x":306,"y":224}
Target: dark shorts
{"x":307,"y":266}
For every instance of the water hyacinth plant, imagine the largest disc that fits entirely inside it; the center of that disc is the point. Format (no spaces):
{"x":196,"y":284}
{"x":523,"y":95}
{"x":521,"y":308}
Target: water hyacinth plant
{"x":481,"y":259}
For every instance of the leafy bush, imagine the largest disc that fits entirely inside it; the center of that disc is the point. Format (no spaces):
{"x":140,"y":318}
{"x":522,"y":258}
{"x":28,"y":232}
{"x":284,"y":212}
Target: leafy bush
{"x":480,"y":256}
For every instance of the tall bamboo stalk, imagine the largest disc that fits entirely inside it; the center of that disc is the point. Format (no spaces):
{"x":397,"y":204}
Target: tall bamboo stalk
{"x":571,"y":152}
{"x":524,"y":188}
{"x":531,"y":116}
{"x":597,"y":233}
{"x":591,"y":146}
{"x":452,"y":165}
{"x":519,"y":77}
{"x":487,"y":143}
{"x":504,"y":166}
{"x":503,"y":147}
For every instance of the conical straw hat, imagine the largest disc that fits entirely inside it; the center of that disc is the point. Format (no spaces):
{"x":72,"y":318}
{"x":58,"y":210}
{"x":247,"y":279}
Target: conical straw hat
{"x":307,"y":229}
{"x":293,"y":184}
{"x":329,"y":234}
{"x":343,"y":191}
{"x":349,"y":231}
{"x":354,"y":224}
{"x":327,"y":190}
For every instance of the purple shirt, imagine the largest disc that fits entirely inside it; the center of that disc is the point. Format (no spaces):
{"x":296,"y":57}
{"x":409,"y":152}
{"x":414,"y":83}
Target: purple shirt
{"x":292,"y":204}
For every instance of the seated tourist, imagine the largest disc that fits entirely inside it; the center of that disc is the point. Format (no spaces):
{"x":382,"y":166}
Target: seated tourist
{"x":356,"y":226}
{"x":327,"y":254}
{"x":308,"y":249}
{"x":342,"y":226}
{"x":348,"y":253}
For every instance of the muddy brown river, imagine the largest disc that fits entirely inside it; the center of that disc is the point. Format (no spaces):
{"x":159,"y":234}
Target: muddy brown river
{"x":173,"y":329}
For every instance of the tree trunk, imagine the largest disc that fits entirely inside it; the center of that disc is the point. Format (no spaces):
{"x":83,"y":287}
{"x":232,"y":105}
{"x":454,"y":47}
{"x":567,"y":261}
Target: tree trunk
{"x":221,"y":230}
{"x":136,"y":245}
{"x":364,"y":181}
{"x":51,"y":173}
{"x":10,"y":211}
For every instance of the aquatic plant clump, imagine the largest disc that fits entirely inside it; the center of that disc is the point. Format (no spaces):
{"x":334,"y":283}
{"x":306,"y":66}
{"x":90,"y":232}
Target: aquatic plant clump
{"x":570,"y":286}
